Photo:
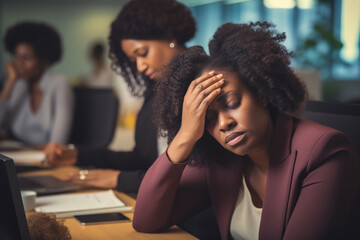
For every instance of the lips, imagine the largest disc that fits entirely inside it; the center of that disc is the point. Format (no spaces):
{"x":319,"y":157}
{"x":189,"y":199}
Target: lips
{"x":235,"y":138}
{"x":152,"y":75}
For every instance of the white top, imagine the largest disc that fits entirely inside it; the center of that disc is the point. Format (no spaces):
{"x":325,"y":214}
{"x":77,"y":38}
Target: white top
{"x":104,"y":79}
{"x":162,"y":144}
{"x":245,"y":221}
{"x":52,"y":122}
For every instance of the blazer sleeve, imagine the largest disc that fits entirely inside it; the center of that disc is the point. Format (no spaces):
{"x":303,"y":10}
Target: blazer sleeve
{"x":327,"y":191}
{"x":169,"y":193}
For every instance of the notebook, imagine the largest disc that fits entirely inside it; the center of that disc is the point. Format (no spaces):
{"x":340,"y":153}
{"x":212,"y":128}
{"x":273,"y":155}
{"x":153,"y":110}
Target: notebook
{"x":28,"y":157}
{"x":13,"y":223}
{"x":68,"y":205}
{"x":46,"y":184}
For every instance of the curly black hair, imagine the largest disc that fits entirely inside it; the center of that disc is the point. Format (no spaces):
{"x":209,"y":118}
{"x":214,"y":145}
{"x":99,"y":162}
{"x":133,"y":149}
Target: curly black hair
{"x":45,"y":226}
{"x":43,"y":38}
{"x":147,"y":20}
{"x":263,"y":63}
{"x":253,"y":51}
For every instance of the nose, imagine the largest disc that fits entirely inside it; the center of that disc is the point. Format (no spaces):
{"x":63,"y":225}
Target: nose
{"x":225,"y":121}
{"x":18,"y":63}
{"x":141,"y":65}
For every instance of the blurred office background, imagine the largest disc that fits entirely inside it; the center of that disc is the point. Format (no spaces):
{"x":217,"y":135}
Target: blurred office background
{"x":324,"y":34}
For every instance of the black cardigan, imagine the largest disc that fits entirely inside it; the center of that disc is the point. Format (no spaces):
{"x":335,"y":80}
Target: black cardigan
{"x":133,"y":164}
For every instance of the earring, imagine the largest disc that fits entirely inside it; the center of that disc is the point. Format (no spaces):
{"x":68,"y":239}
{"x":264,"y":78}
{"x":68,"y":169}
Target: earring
{"x":172,"y":45}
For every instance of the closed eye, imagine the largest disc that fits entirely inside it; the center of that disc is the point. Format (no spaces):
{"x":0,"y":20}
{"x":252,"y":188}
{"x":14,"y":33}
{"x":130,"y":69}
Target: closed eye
{"x":231,"y":100}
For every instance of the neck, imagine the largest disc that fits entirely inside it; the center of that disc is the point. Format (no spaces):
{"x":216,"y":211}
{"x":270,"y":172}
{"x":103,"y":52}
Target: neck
{"x":34,"y":82}
{"x":180,"y":49}
{"x":260,"y":156}
{"x":260,"y":161}
{"x":99,"y":64}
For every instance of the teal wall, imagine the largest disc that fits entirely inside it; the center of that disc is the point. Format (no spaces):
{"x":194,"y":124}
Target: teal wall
{"x":80,"y":23}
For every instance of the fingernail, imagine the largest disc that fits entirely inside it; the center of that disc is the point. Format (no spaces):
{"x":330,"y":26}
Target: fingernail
{"x":220,"y":75}
{"x":211,"y":72}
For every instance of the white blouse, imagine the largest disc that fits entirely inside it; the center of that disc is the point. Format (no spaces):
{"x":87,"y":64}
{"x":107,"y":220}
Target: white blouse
{"x":51,"y":123}
{"x":245,"y":221}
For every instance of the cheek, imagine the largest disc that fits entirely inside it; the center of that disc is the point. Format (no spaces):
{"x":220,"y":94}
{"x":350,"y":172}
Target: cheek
{"x":259,"y":120}
{"x":162,"y":57}
{"x":32,"y":66}
{"x":212,"y":130}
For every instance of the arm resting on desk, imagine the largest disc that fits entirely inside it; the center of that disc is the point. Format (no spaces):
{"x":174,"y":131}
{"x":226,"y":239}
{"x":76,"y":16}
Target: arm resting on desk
{"x":169,"y":194}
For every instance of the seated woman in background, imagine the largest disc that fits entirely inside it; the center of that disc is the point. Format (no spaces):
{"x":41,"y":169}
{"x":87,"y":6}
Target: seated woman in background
{"x":140,"y":46}
{"x":234,"y":146}
{"x":36,"y":106}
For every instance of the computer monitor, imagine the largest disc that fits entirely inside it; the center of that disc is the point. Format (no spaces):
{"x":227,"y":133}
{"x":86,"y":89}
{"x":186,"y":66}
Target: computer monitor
{"x":13,"y":224}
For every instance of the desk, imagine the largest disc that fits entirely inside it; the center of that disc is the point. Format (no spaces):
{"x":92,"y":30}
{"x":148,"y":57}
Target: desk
{"x":111,"y":230}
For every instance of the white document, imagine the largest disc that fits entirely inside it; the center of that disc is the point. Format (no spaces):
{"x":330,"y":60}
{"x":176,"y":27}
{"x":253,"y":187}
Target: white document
{"x":25,"y":157}
{"x":66,"y":205}
{"x":11,"y":145}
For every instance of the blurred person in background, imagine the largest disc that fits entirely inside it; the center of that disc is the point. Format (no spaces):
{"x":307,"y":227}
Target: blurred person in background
{"x":36,"y":106}
{"x":144,"y":38}
{"x":101,"y":75}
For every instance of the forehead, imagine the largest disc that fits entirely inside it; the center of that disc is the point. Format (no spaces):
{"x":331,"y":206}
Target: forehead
{"x":24,"y":48}
{"x":131,"y":45}
{"x":232,"y":80}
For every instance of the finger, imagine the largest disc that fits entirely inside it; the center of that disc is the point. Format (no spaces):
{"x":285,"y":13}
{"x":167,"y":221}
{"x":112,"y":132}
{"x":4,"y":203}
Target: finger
{"x":206,"y":101}
{"x":203,"y":94}
{"x":201,"y":85}
{"x":58,"y":151}
{"x":200,"y":79}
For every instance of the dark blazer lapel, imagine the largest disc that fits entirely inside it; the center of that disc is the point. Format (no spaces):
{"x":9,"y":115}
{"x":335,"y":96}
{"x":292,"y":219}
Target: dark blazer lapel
{"x":279,"y":177}
{"x":224,"y":185}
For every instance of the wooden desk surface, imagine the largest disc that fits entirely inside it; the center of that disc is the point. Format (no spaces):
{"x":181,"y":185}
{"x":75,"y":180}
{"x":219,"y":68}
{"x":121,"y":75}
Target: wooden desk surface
{"x":111,"y":230}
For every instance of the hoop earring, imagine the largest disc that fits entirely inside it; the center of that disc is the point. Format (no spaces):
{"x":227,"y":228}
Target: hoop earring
{"x":172,"y":45}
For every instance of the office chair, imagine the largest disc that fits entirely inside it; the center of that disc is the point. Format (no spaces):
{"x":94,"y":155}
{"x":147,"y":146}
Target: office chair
{"x":344,"y":117}
{"x":95,"y":117}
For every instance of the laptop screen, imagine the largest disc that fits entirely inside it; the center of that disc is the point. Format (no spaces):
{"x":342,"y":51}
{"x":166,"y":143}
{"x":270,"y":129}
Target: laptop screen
{"x":13,"y":223}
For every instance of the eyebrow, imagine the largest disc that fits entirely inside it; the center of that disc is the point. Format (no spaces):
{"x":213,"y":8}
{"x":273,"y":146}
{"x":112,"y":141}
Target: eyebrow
{"x":136,"y":50}
{"x":223,"y":94}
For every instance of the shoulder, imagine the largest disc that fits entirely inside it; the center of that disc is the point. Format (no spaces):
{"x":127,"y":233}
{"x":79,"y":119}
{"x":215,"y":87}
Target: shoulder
{"x":52,"y":80}
{"x":317,"y":142}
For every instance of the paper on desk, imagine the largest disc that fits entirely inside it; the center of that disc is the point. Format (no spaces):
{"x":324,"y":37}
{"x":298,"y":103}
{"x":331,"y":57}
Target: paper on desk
{"x":63,"y":205}
{"x":10,"y":145}
{"x":25,"y":157}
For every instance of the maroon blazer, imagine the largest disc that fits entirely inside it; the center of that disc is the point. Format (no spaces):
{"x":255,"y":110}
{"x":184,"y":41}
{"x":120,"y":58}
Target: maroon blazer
{"x":312,"y":181}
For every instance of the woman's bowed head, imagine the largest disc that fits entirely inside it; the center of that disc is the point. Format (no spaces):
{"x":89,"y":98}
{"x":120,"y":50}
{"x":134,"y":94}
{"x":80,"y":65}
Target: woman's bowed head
{"x":236,"y":93}
{"x":144,"y":38}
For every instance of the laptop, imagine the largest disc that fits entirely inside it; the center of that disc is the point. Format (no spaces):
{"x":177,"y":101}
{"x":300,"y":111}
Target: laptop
{"x":46,"y":184}
{"x":13,"y":224}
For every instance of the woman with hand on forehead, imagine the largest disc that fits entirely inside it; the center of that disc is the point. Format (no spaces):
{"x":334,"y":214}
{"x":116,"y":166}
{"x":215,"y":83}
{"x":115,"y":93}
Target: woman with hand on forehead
{"x":234,"y":146}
